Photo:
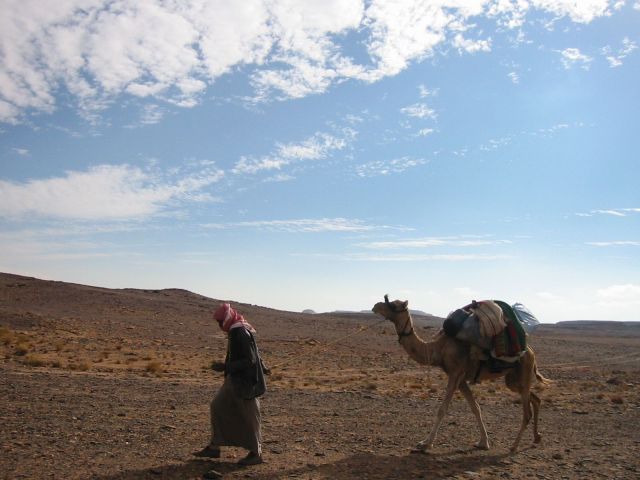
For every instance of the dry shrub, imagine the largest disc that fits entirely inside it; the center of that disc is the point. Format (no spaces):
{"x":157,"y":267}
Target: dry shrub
{"x":617,"y":400}
{"x":83,"y":366}
{"x":6,"y":335}
{"x":21,"y":349}
{"x":33,"y":360}
{"x":154,"y":367}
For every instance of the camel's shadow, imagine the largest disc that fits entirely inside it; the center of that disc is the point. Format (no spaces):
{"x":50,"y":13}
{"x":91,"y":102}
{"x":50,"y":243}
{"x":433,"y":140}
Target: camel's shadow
{"x":359,"y":465}
{"x":409,"y":466}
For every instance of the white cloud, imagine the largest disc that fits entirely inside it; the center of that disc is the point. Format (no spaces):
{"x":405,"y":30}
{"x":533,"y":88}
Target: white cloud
{"x":431,"y":242}
{"x":317,"y":147}
{"x":617,"y":296}
{"x":427,"y":92}
{"x":636,"y":6}
{"x":104,"y":192}
{"x":616,"y":243}
{"x":423,"y":132}
{"x":616,"y":60}
{"x":97,"y":50}
{"x":573,"y":56}
{"x":613,"y":212}
{"x":388,"y":167}
{"x":515,"y":78}
{"x":471,"y":46}
{"x":471,"y":257}
{"x":419,"y":110}
{"x":582,"y":11}
{"x":23,"y":152}
{"x":305,"y":225}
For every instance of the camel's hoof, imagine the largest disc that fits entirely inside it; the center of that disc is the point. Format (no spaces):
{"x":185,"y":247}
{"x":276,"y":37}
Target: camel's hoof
{"x":482,"y":446}
{"x":537,"y":439}
{"x":420,"y":448}
{"x":418,"y":451}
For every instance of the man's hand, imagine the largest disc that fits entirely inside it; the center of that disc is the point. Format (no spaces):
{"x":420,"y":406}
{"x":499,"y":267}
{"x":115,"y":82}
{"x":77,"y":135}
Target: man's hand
{"x":217,"y":366}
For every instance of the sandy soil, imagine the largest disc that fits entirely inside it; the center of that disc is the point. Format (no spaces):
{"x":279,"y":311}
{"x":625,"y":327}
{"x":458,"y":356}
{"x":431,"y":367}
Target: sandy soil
{"x":115,"y":384}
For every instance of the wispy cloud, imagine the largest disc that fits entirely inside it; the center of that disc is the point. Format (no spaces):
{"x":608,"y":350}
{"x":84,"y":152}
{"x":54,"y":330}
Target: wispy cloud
{"x":106,"y":192}
{"x":419,"y":110}
{"x":173,"y":51}
{"x":425,"y":92}
{"x":23,"y":152}
{"x":423,"y":132}
{"x":616,"y":243}
{"x":388,"y":167}
{"x":612,"y":212}
{"x":317,"y":147}
{"x":430,"y":242}
{"x":444,"y":257}
{"x":306,"y":225}
{"x":616,"y":59}
{"x":495,"y":144}
{"x":571,"y":57}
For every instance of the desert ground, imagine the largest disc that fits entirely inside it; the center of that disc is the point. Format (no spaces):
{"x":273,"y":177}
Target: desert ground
{"x":116,"y":384}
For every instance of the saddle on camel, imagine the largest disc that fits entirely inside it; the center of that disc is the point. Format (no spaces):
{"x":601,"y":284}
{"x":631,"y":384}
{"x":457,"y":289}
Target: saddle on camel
{"x":496,"y":331}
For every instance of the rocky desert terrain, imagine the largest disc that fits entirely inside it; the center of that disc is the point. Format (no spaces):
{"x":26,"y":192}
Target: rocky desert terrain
{"x":116,"y":384}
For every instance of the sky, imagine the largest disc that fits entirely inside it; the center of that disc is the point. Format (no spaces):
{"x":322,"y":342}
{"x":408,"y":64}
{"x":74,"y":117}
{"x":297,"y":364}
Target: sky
{"x":318,"y":154}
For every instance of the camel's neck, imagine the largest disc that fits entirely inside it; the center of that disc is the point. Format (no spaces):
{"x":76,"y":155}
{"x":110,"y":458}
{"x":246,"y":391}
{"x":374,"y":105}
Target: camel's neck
{"x":419,"y":350}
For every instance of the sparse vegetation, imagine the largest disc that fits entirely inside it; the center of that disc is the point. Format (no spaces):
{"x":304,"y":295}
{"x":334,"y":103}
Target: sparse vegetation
{"x":6,"y":335}
{"x":21,"y":349}
{"x":33,"y":360}
{"x":154,"y":367}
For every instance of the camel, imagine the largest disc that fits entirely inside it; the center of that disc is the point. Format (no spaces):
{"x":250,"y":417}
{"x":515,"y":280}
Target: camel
{"x":453,"y":356}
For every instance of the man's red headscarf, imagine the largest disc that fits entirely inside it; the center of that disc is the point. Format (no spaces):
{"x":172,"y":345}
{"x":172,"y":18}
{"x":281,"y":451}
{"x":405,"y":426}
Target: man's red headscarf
{"x":228,"y":318}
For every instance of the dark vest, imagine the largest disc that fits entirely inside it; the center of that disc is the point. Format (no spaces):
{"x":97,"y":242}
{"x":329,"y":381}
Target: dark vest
{"x":244,"y":365}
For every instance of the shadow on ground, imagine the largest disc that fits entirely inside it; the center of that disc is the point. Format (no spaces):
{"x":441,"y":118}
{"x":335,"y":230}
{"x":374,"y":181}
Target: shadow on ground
{"x":190,"y":469}
{"x":371,"y":466}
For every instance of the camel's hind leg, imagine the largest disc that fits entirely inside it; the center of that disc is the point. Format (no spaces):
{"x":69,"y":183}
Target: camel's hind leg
{"x":475,"y":408}
{"x":452,"y":386}
{"x":535,"y":403}
{"x":526,"y":417}
{"x":520,"y":380}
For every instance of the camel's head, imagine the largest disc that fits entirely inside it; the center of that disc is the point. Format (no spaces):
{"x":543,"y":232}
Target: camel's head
{"x":393,"y":311}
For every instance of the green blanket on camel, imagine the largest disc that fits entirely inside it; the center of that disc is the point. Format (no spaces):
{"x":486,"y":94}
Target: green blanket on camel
{"x":512,"y":341}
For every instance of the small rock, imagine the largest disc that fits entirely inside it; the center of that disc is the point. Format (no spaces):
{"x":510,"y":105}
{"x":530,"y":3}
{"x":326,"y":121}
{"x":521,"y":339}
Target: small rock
{"x":212,"y":474}
{"x":557,"y":456}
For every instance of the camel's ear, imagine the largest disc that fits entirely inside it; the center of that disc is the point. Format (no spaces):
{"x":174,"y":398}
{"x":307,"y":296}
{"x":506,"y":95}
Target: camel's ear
{"x":405,"y":305}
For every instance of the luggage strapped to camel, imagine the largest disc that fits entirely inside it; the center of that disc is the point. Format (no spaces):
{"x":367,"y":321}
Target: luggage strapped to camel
{"x":495,"y":327}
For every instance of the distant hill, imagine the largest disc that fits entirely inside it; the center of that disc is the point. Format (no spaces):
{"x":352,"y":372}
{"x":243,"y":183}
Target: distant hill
{"x":597,"y":324}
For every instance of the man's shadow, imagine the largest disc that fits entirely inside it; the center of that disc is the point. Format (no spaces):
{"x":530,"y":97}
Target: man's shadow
{"x":190,"y":469}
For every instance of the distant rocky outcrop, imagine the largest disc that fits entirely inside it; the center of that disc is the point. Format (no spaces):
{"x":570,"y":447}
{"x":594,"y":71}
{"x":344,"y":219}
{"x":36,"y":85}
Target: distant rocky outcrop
{"x":308,"y":311}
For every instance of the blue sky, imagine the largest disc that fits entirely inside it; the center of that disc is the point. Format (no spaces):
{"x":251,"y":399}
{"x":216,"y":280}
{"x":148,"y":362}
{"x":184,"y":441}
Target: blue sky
{"x":319,"y":154}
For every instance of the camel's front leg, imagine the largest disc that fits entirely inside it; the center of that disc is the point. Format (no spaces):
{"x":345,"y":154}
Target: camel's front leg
{"x":475,"y":408}
{"x":452,"y":386}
